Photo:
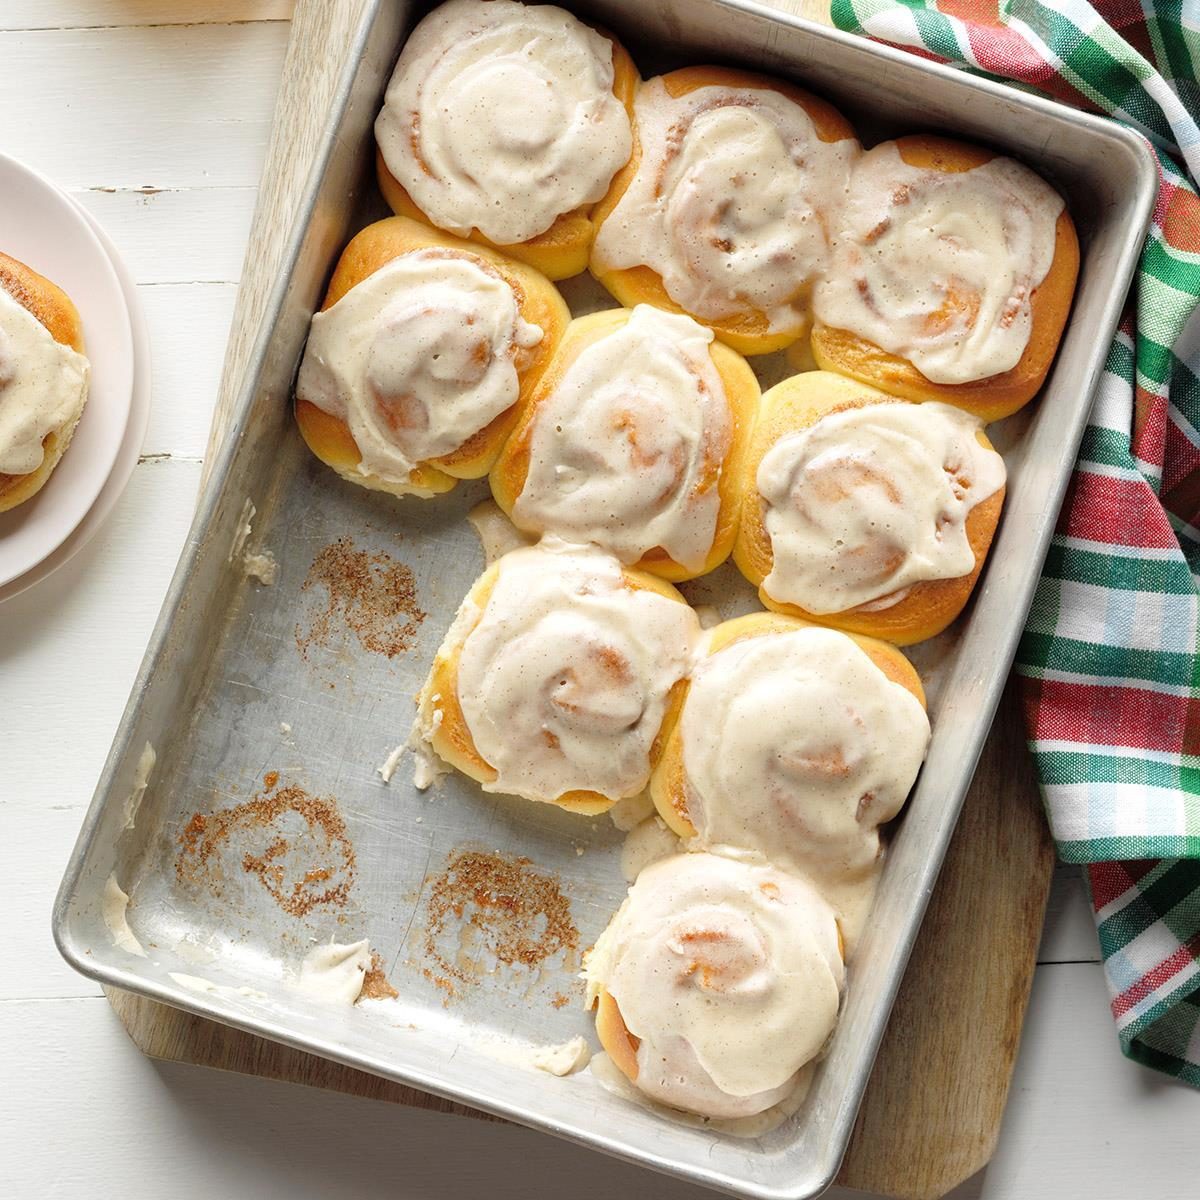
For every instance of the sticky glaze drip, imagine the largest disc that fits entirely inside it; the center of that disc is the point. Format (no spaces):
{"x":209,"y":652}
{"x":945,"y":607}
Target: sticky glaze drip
{"x":627,"y":450}
{"x":43,"y":387}
{"x":501,"y":117}
{"x":563,"y":681}
{"x":417,"y":358}
{"x":730,"y":201}
{"x":939,"y":267}
{"x":796,"y":746}
{"x":869,"y":501}
{"x":730,"y":975}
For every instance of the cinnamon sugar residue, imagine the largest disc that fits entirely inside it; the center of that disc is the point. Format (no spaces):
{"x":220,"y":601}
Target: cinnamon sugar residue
{"x":294,"y":844}
{"x":372,"y":595}
{"x":376,"y":985}
{"x":488,"y":908}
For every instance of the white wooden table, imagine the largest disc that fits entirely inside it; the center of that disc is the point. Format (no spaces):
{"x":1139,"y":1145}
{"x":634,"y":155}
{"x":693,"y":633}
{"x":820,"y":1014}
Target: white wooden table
{"x":155,"y":113}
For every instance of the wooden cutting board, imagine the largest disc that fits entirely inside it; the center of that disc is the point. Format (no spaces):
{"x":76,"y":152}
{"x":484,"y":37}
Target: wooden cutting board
{"x":932,"y":1110}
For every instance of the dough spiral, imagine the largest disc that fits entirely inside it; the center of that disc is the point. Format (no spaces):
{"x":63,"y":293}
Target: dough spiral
{"x":554,"y":681}
{"x":717,"y":981}
{"x":632,"y":442}
{"x":501,"y":117}
{"x":729,"y":204}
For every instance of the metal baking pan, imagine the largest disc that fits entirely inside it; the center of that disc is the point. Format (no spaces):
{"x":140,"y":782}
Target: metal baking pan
{"x":313,"y":678}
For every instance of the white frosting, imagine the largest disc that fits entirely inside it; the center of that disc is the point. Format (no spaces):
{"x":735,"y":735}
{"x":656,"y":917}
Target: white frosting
{"x":388,"y":768}
{"x":564,"y":1059}
{"x":559,"y":1059}
{"x":114,"y":910}
{"x":869,"y":501}
{"x":501,"y":117}
{"x":730,"y":201}
{"x":141,"y":781}
{"x":428,"y":768}
{"x":939,"y":267}
{"x":335,"y":973}
{"x":197,"y":983}
{"x":797,"y":746}
{"x":242,"y":530}
{"x":626,"y":451}
{"x":261,"y":566}
{"x":632,"y":811}
{"x":497,"y":534}
{"x":730,"y":975}
{"x":564,"y":680}
{"x":644,"y":844}
{"x":417,"y":358}
{"x":43,"y":387}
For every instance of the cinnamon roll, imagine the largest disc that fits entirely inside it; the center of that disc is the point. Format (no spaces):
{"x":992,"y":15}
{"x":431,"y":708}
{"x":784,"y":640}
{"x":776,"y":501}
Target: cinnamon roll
{"x":505,"y":124}
{"x":866,"y":512}
{"x":951,"y":277}
{"x":556,"y":676}
{"x":724,"y":208}
{"x":43,"y":379}
{"x":715,"y":984}
{"x":419,"y":355}
{"x":794,"y":743}
{"x":633,"y":441}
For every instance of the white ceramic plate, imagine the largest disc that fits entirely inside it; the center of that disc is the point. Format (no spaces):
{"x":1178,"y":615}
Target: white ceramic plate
{"x":135,"y":433}
{"x":42,"y":227}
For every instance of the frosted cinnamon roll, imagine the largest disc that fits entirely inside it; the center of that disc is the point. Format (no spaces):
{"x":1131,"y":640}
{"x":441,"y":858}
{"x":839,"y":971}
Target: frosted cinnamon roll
{"x":43,"y":379}
{"x":421,"y":351}
{"x":864,"y":511}
{"x":951,"y":277}
{"x":793,"y":742}
{"x":555,"y":678}
{"x":633,"y":441}
{"x":505,"y":123}
{"x":724,"y":208}
{"x":716,"y":982}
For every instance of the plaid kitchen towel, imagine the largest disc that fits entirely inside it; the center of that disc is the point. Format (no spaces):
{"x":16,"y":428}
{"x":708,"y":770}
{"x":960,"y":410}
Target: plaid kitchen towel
{"x":1110,"y":657}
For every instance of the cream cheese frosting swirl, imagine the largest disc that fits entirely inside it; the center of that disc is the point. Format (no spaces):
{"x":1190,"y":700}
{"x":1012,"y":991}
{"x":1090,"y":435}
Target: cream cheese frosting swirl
{"x":869,"y":501}
{"x":564,"y":680}
{"x":730,"y":201}
{"x":730,"y":975}
{"x":626,"y":452}
{"x":796,"y":746}
{"x":938,"y":267}
{"x":417,"y":358}
{"x":501,"y":117}
{"x":43,"y":387}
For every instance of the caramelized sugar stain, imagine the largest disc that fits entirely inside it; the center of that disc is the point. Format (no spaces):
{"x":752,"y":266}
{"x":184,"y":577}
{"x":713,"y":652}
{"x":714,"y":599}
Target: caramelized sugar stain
{"x":371,"y":595}
{"x":294,"y":844}
{"x":488,"y":908}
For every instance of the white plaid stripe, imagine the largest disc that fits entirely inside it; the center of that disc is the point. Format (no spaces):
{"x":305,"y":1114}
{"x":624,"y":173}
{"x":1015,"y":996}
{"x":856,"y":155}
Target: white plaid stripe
{"x":1090,"y":811}
{"x":1110,"y":472}
{"x":1141,"y":553}
{"x":1059,"y":746}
